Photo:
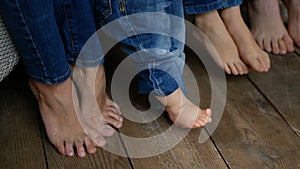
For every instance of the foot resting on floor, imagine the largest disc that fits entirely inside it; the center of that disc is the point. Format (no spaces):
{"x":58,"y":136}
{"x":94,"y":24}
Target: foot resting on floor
{"x":183,"y":112}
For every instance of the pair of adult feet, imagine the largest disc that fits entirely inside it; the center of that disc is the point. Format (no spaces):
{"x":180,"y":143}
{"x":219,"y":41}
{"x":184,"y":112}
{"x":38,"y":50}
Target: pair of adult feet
{"x":71,"y":112}
{"x":268,"y":28}
{"x":233,"y":41}
{"x":78,"y":114}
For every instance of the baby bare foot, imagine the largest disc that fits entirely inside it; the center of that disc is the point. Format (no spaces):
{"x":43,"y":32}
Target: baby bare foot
{"x":60,"y":119}
{"x":268,"y":28}
{"x":183,"y":112}
{"x":249,"y":51}
{"x":91,"y":83}
{"x":213,"y":27}
{"x":294,"y":20}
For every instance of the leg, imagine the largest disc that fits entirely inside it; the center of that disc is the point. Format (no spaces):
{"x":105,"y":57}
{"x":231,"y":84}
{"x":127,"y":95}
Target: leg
{"x":78,"y":40}
{"x":267,"y":26}
{"x":36,"y":34}
{"x":294,"y":20}
{"x":223,"y":42}
{"x":207,"y":19}
{"x":249,"y":51}
{"x":160,"y":60}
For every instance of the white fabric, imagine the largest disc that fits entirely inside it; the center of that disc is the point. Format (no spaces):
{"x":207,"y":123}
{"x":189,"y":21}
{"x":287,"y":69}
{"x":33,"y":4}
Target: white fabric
{"x":8,"y":53}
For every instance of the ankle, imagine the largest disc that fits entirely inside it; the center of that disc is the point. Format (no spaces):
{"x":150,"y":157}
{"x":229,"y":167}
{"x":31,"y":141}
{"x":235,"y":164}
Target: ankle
{"x":43,"y":91}
{"x":204,"y":20}
{"x":231,"y":15}
{"x":174,"y":101}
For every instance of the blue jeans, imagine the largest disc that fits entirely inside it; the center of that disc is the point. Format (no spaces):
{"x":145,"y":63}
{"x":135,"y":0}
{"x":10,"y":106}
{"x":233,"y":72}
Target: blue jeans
{"x":158,"y":57}
{"x":201,"y":6}
{"x":49,"y":34}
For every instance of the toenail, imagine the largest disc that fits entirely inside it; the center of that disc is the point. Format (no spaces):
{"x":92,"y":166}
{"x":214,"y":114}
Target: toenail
{"x":82,"y":154}
{"x":121,"y":119}
{"x":107,"y":128}
{"x":71,"y":153}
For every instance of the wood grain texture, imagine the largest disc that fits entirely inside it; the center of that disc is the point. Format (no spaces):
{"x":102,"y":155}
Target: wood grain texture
{"x":20,"y":138}
{"x":297,"y":51}
{"x":189,"y":153}
{"x":281,"y":85}
{"x":100,"y":160}
{"x":252,"y":134}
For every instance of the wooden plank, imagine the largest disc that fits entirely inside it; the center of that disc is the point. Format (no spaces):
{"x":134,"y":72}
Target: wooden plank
{"x":100,"y":160}
{"x":252,"y":134}
{"x":189,"y":153}
{"x":297,"y":50}
{"x":281,"y":85}
{"x":20,"y":139}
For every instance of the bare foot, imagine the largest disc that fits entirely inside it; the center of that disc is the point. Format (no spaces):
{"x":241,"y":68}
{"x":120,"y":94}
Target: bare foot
{"x":248,"y":49}
{"x":183,"y":112}
{"x":213,"y":27}
{"x":91,"y":83}
{"x":60,"y":119}
{"x":268,"y":28}
{"x":109,"y":109}
{"x":294,"y":20}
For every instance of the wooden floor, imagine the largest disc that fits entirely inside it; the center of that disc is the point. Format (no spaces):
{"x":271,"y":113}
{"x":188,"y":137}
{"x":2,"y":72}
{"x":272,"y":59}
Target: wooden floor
{"x":260,"y":127}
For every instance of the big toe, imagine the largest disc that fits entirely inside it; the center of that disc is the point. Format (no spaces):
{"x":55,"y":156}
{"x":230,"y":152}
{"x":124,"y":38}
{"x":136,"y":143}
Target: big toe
{"x":267,"y":45}
{"x":61,"y":147}
{"x":264,"y":60}
{"x":99,"y":141}
{"x":226,"y":68}
{"x":233,"y":69}
{"x":107,"y":131}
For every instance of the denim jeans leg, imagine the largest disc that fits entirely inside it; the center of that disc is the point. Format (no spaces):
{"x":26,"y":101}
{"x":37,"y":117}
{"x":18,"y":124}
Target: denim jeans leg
{"x":232,"y":3}
{"x":202,"y":6}
{"x":159,"y":58}
{"x":33,"y":27}
{"x":76,"y":27}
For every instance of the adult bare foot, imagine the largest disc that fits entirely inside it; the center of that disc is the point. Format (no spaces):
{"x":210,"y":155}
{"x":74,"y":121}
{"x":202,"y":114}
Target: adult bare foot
{"x":213,"y":27}
{"x":294,"y":20}
{"x":248,"y":49}
{"x":267,"y":26}
{"x":183,"y":112}
{"x":60,"y":119}
{"x":90,"y":84}
{"x":109,"y":109}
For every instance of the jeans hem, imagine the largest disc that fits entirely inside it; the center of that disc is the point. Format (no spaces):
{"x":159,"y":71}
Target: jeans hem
{"x":232,"y":3}
{"x":202,"y":8}
{"x":52,"y":81}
